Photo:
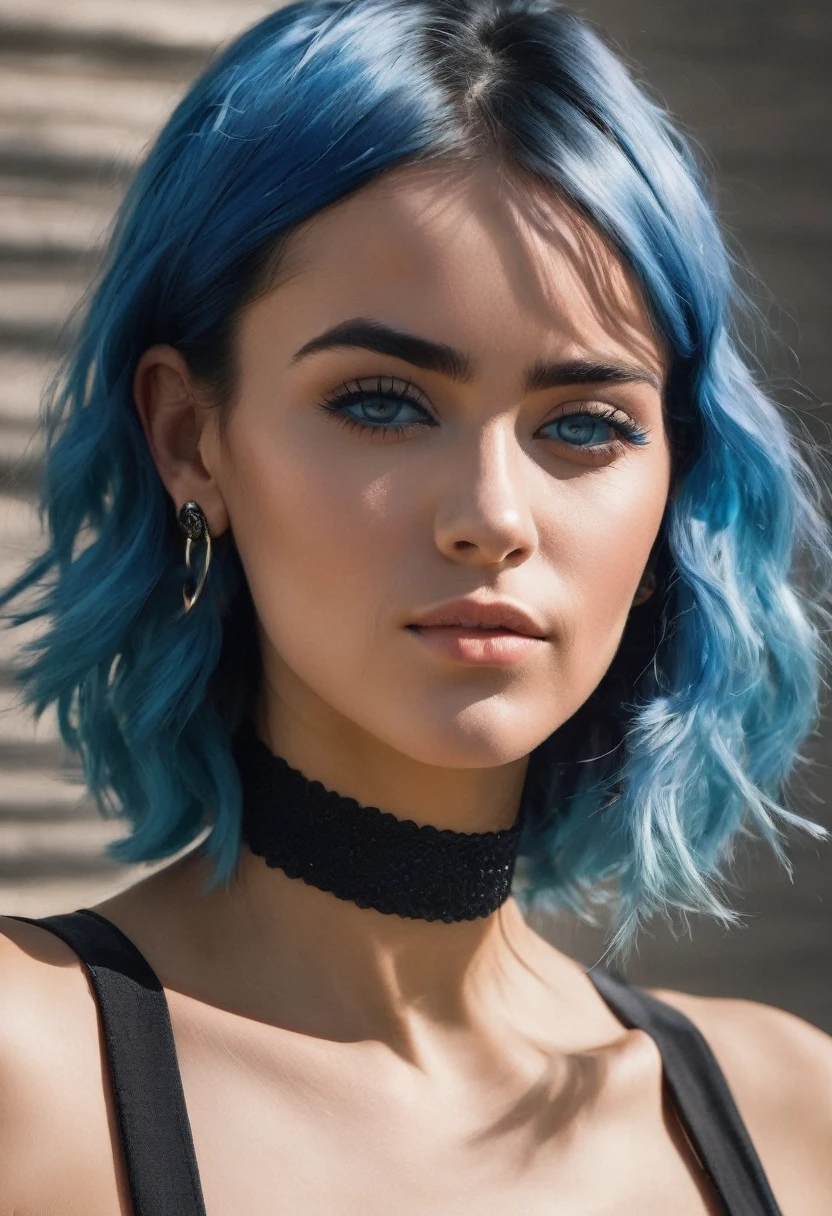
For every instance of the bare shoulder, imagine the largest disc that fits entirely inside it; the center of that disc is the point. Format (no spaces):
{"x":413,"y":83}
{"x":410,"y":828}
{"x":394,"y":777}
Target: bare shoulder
{"x":40,"y":989}
{"x":50,"y":1069}
{"x":764,"y":1050}
{"x":779,"y":1070}
{"x":36,"y":968}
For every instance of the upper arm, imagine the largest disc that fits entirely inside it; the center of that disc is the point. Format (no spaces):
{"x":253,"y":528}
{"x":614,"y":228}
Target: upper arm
{"x":779,"y":1070}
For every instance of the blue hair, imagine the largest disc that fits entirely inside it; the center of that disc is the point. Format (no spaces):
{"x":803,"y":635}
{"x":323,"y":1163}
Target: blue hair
{"x":689,"y":739}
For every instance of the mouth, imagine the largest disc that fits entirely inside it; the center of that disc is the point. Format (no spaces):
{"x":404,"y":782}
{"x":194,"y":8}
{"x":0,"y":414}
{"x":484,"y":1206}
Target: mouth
{"x":472,"y":631}
{"x":481,"y":616}
{"x":477,"y":645}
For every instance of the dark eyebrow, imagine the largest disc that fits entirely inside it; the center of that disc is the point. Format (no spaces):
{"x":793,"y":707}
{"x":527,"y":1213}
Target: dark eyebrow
{"x":447,"y":361}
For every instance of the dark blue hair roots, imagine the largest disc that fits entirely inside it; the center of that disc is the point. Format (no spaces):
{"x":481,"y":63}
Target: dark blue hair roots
{"x":691,"y":736}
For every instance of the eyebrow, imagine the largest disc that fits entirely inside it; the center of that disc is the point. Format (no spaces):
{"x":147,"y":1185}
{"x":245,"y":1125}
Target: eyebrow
{"x":366,"y":334}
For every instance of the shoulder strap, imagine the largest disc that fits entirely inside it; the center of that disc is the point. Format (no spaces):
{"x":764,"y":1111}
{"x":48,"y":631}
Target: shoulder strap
{"x":147,"y":1087}
{"x":701,"y":1095}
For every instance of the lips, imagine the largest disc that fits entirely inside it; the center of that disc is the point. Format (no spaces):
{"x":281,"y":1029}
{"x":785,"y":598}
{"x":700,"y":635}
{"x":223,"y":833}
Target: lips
{"x":493,"y":616}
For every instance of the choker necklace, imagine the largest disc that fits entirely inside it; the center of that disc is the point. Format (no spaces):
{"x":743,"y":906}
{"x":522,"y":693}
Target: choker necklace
{"x":363,"y":854}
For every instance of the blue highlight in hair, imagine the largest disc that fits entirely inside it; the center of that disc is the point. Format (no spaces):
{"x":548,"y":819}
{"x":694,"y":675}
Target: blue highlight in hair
{"x":689,"y":740}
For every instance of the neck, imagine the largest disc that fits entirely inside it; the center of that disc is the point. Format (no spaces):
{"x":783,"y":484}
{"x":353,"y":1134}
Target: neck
{"x":328,"y":967}
{"x":355,"y":973}
{"x":327,"y":748}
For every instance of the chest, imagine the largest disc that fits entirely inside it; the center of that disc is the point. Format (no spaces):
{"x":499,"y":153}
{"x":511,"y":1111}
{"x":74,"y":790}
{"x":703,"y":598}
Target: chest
{"x":264,"y":1154}
{"x":277,"y":1128}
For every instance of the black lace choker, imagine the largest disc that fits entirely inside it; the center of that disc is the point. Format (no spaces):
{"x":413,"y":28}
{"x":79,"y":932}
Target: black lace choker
{"x":365,"y":855}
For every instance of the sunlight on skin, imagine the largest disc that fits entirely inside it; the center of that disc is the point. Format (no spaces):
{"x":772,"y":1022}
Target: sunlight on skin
{"x":345,"y":536}
{"x":305,"y":1024}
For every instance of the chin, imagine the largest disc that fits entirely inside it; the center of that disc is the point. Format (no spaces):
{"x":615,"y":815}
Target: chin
{"x":484,"y":735}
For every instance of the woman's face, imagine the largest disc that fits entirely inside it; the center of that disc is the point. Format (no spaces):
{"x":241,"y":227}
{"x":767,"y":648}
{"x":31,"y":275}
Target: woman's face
{"x":458,"y":439}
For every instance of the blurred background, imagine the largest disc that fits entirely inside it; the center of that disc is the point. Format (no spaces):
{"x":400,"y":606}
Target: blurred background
{"x":83,"y":88}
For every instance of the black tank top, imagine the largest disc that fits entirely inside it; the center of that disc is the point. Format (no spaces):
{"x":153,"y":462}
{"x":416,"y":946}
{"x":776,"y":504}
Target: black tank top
{"x":153,"y":1121}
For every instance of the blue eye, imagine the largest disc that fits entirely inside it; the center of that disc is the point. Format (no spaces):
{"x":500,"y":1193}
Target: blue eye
{"x":580,"y":430}
{"x":390,"y":408}
{"x":381,"y":411}
{"x":583,"y":430}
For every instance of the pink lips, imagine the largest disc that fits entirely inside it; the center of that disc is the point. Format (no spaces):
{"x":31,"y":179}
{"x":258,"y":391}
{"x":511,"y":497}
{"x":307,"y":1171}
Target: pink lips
{"x":495,"y":633}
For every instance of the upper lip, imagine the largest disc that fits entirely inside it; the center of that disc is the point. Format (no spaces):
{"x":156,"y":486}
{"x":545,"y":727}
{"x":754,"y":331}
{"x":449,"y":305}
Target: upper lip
{"x":473,"y":613}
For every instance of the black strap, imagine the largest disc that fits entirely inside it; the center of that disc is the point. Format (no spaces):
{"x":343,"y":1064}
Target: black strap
{"x":153,"y":1119}
{"x":150,"y":1105}
{"x":703,"y":1100}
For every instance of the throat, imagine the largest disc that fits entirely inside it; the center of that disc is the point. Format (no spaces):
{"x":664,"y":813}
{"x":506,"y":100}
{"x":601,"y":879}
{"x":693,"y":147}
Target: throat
{"x":364,"y":855}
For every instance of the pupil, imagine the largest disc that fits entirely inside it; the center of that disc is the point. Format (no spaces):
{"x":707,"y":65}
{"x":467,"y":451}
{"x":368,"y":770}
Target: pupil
{"x":580,"y":431}
{"x":379,"y":411}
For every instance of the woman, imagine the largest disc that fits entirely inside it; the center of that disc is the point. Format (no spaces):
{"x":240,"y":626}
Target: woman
{"x":406,"y":475}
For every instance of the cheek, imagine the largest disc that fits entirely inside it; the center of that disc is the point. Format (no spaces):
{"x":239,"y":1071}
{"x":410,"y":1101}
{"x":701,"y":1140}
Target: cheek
{"x":320,"y":538}
{"x":336,"y":551}
{"x":600,"y":543}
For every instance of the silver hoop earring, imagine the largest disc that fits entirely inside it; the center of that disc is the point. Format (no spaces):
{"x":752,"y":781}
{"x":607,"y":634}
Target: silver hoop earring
{"x":194,"y":525}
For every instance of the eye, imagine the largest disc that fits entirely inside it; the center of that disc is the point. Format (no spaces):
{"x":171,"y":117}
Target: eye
{"x":589,"y":429}
{"x":388,"y":406}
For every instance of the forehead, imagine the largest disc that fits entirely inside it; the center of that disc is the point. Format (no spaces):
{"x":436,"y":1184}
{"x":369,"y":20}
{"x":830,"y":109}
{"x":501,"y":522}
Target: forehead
{"x":488,"y":253}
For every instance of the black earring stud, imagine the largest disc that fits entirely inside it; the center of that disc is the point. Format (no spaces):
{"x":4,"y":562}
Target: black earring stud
{"x":194,"y":525}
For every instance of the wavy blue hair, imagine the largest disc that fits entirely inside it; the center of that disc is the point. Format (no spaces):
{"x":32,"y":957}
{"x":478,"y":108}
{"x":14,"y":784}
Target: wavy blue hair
{"x":695,"y":728}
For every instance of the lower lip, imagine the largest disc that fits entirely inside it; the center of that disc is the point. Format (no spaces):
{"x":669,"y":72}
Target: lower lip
{"x":490,"y":647}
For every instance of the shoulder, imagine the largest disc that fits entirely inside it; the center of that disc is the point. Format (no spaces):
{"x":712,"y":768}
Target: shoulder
{"x":35,"y":967}
{"x":764,"y":1051}
{"x":779,"y":1070}
{"x":50,"y":1071}
{"x":42,"y":990}
{"x":36,"y":970}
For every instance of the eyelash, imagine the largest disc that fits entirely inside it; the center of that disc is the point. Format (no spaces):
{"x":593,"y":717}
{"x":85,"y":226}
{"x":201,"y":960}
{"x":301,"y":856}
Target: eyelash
{"x":404,"y":392}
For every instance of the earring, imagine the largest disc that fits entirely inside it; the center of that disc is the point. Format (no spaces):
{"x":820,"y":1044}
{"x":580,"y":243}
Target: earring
{"x":645,"y":589}
{"x":192,"y":522}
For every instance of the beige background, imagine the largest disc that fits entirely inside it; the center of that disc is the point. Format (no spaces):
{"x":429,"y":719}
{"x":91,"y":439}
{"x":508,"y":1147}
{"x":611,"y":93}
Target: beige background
{"x":84,"y":85}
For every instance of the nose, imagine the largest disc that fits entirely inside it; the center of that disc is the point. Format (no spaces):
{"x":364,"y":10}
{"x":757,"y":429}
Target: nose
{"x":485,"y":517}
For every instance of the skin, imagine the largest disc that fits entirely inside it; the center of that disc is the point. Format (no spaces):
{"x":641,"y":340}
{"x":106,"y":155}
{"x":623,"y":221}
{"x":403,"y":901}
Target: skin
{"x":339,"y":1058}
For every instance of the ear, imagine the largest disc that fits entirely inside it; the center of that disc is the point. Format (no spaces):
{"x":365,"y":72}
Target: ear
{"x":174,"y":415}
